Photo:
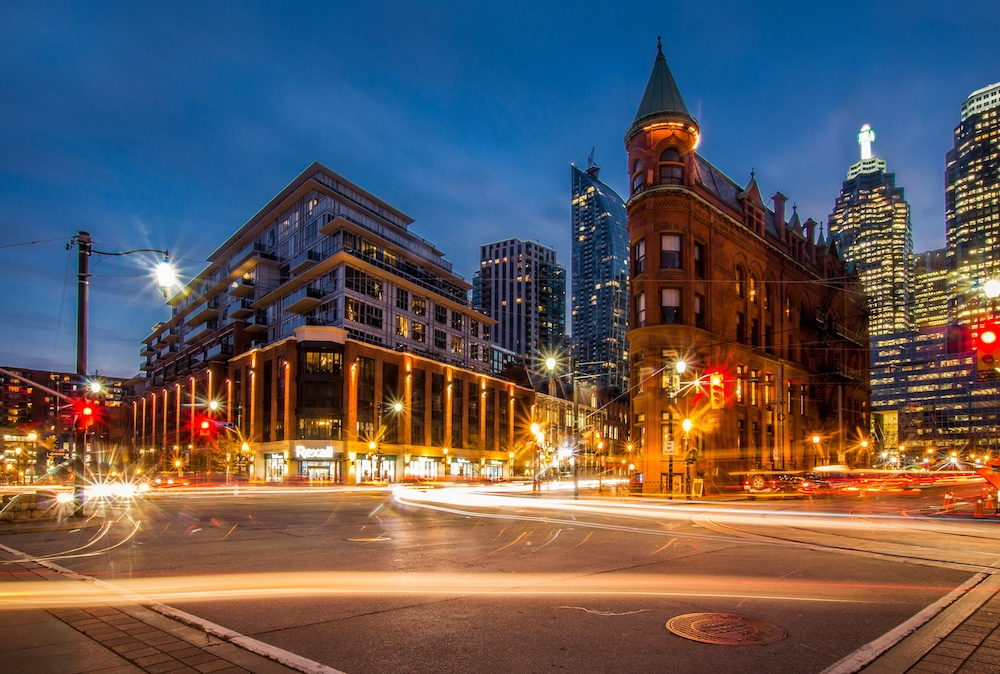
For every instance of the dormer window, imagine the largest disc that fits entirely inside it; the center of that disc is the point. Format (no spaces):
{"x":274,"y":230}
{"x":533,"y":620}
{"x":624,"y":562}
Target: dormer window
{"x":671,"y":167}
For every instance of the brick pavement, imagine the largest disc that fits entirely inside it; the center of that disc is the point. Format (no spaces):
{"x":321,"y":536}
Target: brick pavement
{"x":114,"y":637}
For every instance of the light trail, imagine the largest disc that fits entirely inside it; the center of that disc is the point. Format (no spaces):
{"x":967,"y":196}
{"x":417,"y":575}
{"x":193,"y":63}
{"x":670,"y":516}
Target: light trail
{"x":101,"y":533}
{"x":465,"y":501}
{"x":837,"y":533}
{"x":21,"y":594}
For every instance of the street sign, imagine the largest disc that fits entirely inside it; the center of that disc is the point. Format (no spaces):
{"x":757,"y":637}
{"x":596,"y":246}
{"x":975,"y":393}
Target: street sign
{"x":668,"y":448}
{"x":225,"y":424}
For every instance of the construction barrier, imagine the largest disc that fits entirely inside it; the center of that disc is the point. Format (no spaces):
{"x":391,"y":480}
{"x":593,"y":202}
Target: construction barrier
{"x":949,"y":502}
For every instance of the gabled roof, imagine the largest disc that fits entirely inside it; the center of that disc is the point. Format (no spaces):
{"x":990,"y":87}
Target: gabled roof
{"x":662,"y":98}
{"x":752,"y":192}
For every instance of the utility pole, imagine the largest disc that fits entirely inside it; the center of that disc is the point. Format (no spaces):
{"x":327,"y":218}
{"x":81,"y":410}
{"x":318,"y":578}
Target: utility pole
{"x":83,"y":243}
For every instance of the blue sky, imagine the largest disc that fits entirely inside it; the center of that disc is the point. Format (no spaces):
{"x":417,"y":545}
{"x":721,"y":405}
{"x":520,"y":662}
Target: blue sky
{"x":169,"y":125}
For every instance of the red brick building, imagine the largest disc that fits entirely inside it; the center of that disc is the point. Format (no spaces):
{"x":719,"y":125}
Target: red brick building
{"x":765,"y":307}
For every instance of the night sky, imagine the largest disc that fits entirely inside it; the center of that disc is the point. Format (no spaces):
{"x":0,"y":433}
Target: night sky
{"x":169,"y":125}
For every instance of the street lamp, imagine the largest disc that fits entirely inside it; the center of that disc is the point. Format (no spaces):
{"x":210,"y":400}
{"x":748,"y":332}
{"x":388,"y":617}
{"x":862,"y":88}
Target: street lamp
{"x":550,"y":365}
{"x":165,"y":278}
{"x":815,"y":441}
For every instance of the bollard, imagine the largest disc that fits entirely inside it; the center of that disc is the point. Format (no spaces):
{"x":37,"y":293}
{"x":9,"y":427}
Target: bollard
{"x":979,"y":509}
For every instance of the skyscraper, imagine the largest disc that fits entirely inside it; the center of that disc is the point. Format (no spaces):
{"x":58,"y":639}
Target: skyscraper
{"x":972,"y":204}
{"x":872,"y":220}
{"x":521,"y":286}
{"x":600,"y":280}
{"x":930,"y":293}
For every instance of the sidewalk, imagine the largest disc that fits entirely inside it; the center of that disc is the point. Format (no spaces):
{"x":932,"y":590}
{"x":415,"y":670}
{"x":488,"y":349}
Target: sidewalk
{"x":119,"y":637}
{"x":964,"y":637}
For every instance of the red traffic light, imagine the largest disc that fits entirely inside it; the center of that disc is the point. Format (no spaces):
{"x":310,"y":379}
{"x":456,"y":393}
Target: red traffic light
{"x":987,"y":343}
{"x":205,"y":426}
{"x":86,"y":412}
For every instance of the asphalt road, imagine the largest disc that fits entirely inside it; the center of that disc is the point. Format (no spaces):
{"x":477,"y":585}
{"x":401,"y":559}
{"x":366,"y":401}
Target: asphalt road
{"x":461,"y":580}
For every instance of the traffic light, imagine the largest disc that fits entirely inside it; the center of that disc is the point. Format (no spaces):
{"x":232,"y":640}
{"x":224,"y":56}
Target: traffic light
{"x":85,"y":413}
{"x":716,"y":391}
{"x":205,"y":427}
{"x":83,"y":410}
{"x":987,"y":344}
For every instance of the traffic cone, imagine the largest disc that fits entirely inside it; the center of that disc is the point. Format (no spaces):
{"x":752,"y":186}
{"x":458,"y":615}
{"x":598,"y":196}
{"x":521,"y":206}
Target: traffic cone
{"x":979,"y":509}
{"x":948,"y":502}
{"x":989,"y":500}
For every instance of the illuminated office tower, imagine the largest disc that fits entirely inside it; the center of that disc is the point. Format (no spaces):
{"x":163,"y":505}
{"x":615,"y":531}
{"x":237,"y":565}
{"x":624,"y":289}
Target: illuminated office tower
{"x":972,"y":204}
{"x":600,"y":294}
{"x":521,"y":286}
{"x":930,"y":295}
{"x":872,"y":220}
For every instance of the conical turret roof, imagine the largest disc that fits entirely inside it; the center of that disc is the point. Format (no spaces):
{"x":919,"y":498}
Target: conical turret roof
{"x":662,"y":98}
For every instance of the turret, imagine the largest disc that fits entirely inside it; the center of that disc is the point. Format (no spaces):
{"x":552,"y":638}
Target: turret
{"x":663,"y":136}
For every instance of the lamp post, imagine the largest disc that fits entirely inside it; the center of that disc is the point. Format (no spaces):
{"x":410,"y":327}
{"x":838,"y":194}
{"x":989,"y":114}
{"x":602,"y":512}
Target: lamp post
{"x":85,"y":249}
{"x":686,"y":425}
{"x":815,"y":441}
{"x":550,"y":365}
{"x":536,"y":432}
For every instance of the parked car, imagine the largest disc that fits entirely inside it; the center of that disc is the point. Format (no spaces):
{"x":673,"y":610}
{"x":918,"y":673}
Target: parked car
{"x":806,"y":483}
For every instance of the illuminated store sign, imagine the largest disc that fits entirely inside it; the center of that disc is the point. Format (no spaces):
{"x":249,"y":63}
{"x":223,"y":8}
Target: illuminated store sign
{"x":313,"y":452}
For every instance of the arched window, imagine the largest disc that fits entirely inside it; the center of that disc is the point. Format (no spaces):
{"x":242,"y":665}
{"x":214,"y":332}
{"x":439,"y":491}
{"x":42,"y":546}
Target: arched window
{"x":741,"y":282}
{"x":671,"y":167}
{"x":753,"y":289}
{"x":638,"y":179}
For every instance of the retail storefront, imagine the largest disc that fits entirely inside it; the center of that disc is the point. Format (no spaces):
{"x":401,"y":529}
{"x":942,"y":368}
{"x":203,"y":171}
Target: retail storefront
{"x":319,"y":464}
{"x":381,"y":468}
{"x":275,"y":467}
{"x":424,"y":468}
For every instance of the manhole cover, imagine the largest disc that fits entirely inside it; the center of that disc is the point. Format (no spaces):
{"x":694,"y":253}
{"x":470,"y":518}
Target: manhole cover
{"x":727,"y":629}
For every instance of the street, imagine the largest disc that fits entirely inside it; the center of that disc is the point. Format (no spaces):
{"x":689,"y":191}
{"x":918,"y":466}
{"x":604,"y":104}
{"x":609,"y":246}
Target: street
{"x":465,"y":579}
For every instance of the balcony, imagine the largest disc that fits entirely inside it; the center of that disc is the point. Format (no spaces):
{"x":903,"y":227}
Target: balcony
{"x":333,"y":224}
{"x":222,"y":351}
{"x":203,"y":312}
{"x":257,"y":322}
{"x":303,"y":300}
{"x":147,"y":350}
{"x":202,"y":331}
{"x":304,"y":261}
{"x":171,"y":336}
{"x":242,"y":309}
{"x":242,"y":287}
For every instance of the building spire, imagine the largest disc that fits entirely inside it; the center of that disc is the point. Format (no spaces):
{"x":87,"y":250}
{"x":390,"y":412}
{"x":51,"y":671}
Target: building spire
{"x":662,"y":99}
{"x":869,"y":162}
{"x":865,"y":140}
